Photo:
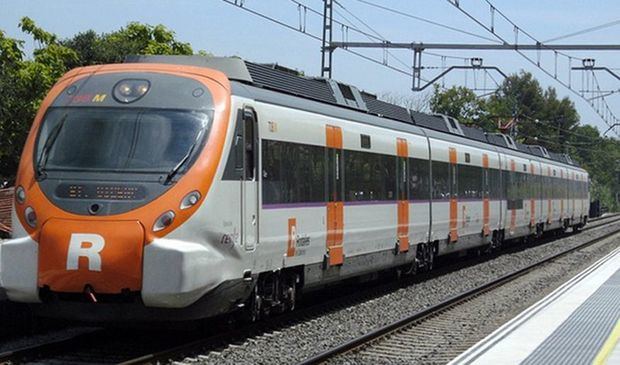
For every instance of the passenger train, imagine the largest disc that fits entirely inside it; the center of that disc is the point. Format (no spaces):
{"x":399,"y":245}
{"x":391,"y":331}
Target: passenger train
{"x":185,"y":187}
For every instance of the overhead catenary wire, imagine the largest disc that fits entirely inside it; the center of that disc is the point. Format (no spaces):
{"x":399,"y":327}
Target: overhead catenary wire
{"x":371,"y":29}
{"x":432,"y":22}
{"x":376,"y":36}
{"x":317,"y":38}
{"x":584,"y":31}
{"x":456,"y":4}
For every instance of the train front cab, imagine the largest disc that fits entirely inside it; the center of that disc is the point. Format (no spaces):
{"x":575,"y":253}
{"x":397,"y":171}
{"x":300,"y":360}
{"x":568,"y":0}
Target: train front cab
{"x":134,"y":233}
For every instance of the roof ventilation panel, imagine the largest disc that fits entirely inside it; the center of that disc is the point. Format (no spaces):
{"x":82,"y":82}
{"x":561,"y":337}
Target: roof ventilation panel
{"x":452,"y":124}
{"x":347,"y":95}
{"x":510,"y":142}
{"x":428,"y":121}
{"x":568,"y":159}
{"x":538,"y":150}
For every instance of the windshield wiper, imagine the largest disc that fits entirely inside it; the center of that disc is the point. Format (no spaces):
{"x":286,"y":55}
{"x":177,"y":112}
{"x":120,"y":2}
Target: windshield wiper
{"x":185,"y":158}
{"x":47,"y":147}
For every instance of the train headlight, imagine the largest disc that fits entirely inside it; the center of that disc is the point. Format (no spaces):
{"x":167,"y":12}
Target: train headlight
{"x":164,"y":221}
{"x":190,"y":200}
{"x":20,"y":195}
{"x":31,"y":217}
{"x":129,"y":90}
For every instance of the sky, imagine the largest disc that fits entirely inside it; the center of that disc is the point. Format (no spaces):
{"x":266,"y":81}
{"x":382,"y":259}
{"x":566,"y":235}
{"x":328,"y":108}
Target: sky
{"x":226,"y":30}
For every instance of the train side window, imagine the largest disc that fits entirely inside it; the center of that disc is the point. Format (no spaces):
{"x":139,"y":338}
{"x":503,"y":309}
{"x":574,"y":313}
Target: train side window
{"x":493,"y":184}
{"x":506,"y":181}
{"x":469,"y":182}
{"x":441,"y":180}
{"x":369,"y":176}
{"x":293,"y":173}
{"x":419,"y":179}
{"x":249,"y":144}
{"x":235,"y":165}
{"x":238,"y":147}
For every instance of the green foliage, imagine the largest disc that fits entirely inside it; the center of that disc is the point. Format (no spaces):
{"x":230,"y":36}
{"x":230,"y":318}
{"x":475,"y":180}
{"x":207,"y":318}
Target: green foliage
{"x":134,"y":39}
{"x":24,"y":82}
{"x":462,"y":102}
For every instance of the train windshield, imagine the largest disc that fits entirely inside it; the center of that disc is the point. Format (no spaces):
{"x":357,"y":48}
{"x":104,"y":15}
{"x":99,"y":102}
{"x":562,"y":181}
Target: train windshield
{"x":120,"y":140}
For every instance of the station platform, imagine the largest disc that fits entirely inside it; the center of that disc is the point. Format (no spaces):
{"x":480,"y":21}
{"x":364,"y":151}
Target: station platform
{"x":578,"y":323}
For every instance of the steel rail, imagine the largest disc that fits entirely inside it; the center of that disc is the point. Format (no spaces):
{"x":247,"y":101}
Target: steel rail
{"x":451,"y":302}
{"x":218,"y":340}
{"x":299,"y":315}
{"x":32,"y":351}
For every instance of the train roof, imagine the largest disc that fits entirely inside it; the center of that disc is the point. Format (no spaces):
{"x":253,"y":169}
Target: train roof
{"x":282,"y":79}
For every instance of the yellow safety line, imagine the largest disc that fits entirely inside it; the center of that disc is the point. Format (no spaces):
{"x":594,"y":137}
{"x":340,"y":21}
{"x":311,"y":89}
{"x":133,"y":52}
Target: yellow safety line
{"x":608,"y":347}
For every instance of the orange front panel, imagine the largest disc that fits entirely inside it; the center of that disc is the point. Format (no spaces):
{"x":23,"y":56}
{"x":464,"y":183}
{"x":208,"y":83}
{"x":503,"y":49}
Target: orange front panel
{"x":103,"y":254}
{"x":403,"y":225}
{"x":292,"y":233}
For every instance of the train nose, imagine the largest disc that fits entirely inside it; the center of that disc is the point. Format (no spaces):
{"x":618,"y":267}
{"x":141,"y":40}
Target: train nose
{"x":105,"y":256}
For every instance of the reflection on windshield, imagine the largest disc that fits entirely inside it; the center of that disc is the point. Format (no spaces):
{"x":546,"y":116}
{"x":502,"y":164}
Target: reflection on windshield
{"x":120,"y":140}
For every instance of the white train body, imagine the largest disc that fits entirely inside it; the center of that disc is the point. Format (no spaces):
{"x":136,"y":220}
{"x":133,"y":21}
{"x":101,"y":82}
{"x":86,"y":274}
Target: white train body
{"x":304,"y":193}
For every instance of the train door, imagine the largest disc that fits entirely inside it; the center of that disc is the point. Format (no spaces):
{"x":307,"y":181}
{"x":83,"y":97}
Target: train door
{"x":249,"y":183}
{"x":486,"y":190}
{"x":335,"y":205}
{"x":453,"y":183}
{"x":531,"y":188}
{"x":499,"y":192}
{"x":402,"y":171}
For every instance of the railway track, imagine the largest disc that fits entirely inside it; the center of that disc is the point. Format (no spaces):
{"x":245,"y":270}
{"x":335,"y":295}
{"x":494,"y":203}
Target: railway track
{"x":106,"y":346}
{"x":404,"y":340}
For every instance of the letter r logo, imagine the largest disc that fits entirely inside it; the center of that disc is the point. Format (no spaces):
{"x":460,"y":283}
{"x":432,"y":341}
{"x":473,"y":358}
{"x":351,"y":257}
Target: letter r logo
{"x":77,"y":249}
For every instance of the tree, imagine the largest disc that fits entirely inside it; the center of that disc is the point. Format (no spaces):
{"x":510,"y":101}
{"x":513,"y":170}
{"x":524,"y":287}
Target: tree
{"x":461,"y":103}
{"x":134,"y":39}
{"x":24,"y":82}
{"x":416,"y":102}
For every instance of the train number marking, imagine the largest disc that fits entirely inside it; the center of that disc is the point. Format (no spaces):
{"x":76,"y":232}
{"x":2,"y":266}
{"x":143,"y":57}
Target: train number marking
{"x":77,"y":249}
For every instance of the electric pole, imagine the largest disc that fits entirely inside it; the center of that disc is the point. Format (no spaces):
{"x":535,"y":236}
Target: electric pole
{"x":327,"y":49}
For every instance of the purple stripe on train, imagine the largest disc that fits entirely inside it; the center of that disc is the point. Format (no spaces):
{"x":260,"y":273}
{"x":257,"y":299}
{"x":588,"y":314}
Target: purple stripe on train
{"x":361,"y":202}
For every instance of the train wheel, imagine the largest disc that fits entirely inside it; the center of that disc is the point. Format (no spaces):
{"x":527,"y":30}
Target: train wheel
{"x":291,"y":292}
{"x":254,"y":307}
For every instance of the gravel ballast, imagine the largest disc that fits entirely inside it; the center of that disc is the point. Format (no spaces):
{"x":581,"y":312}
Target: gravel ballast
{"x":443,"y":337}
{"x":303,"y":340}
